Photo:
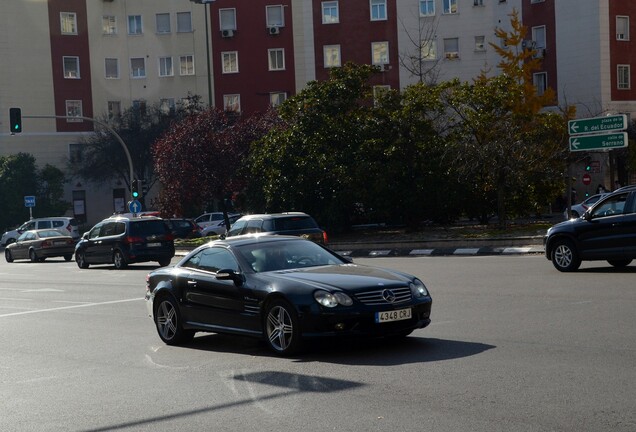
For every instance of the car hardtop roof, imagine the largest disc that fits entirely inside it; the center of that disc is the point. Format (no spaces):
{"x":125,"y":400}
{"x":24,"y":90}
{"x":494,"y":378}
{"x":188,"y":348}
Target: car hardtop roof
{"x":255,"y":238}
{"x":128,"y":218}
{"x":273,"y":215}
{"x":625,"y":188}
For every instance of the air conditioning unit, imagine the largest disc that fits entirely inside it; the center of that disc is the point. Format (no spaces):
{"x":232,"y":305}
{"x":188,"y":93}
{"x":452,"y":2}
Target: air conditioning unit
{"x":227,"y":33}
{"x":383,"y":67}
{"x":479,"y":46}
{"x":273,"y":30}
{"x":620,"y":36}
{"x":452,"y":55}
{"x":530,"y":44}
{"x":540,"y":53}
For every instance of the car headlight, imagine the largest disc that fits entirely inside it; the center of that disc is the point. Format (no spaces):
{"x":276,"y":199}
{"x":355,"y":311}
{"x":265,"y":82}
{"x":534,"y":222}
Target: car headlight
{"x":327,"y":299}
{"x":418,"y":289}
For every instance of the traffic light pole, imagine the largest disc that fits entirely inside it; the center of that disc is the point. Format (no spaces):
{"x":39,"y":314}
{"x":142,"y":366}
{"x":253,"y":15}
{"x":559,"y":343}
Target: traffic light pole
{"x":105,"y":126}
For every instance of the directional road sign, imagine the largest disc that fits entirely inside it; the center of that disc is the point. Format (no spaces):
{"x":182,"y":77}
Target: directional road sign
{"x":29,"y":201}
{"x":598,"y":124}
{"x":134,"y":206}
{"x":598,"y":142}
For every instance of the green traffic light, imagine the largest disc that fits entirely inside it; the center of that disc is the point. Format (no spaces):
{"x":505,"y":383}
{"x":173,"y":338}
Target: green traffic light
{"x":135,"y":194}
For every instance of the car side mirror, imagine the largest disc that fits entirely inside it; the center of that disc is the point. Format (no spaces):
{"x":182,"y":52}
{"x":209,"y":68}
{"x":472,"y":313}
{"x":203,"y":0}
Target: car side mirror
{"x":229,"y":274}
{"x":85,"y":236}
{"x":347,"y":259}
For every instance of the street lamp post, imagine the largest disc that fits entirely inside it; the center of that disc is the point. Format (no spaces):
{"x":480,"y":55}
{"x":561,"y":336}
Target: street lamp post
{"x":207,"y":45}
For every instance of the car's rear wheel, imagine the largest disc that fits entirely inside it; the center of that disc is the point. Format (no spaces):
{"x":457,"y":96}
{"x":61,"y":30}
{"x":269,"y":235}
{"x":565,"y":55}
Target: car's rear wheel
{"x":33,"y":256}
{"x":565,"y":258}
{"x":620,"y":263}
{"x":8,"y":256}
{"x":164,"y":262}
{"x":119,"y":260}
{"x":68,"y":257}
{"x":80,"y":259}
{"x":282,"y":328}
{"x":168,"y":322}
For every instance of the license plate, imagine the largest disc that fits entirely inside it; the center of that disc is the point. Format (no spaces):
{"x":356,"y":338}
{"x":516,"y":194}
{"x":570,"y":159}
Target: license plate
{"x":394,"y":315}
{"x":59,"y":243}
{"x":154,"y":244}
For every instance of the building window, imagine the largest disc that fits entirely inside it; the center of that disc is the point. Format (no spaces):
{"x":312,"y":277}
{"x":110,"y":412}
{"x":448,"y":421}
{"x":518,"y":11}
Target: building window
{"x":427,"y":7}
{"x":274,"y":16}
{"x":540,"y":81}
{"x":134,"y":25}
{"x":184,"y":22}
{"x":622,"y":28}
{"x":165,"y":67}
{"x":277,"y":98}
{"x":71,"y":67}
{"x":139,"y":105}
{"x":232,"y":102}
{"x":378,"y":10}
{"x":167,"y":105}
{"x":537,"y":1}
{"x":111,"y":66}
{"x":451,"y":48}
{"x":480,"y":43}
{"x":74,"y":109}
{"x":186,"y":65}
{"x":227,"y":19}
{"x":114,"y":109}
{"x":429,"y":50}
{"x":332,"y":55}
{"x":138,"y":67}
{"x":163,"y":23}
{"x":109,"y":25}
{"x":380,"y":53}
{"x":68,"y":23}
{"x":75,"y":153}
{"x":623,"y":77}
{"x":229,"y":60}
{"x":330,"y":12}
{"x":478,"y":2}
{"x":449,"y":6}
{"x":276,"y":59}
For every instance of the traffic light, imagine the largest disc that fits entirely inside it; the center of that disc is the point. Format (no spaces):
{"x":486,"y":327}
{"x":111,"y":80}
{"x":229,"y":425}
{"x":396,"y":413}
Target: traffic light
{"x":15,"y":120}
{"x":135,"y":189}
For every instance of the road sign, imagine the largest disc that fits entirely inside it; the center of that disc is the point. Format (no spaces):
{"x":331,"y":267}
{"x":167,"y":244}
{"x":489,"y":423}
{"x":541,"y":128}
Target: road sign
{"x":29,"y":201}
{"x":597,"y":124}
{"x":598,"y":142}
{"x":587,"y":179}
{"x":134,"y":206}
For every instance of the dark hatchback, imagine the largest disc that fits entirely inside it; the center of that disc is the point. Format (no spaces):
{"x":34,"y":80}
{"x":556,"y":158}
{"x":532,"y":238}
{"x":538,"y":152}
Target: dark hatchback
{"x":121,"y":241}
{"x":282,"y":289}
{"x":183,"y":228}
{"x":292,"y":223}
{"x":606,"y":231}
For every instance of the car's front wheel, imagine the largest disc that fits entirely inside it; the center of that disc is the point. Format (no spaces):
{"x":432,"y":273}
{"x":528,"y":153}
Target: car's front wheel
{"x":119,"y":260}
{"x":80,"y":259}
{"x":8,"y":256}
{"x":620,"y":263}
{"x":33,"y":256}
{"x":168,"y":322}
{"x":165,"y":262}
{"x":565,"y":258}
{"x":282,"y":328}
{"x":68,"y":257}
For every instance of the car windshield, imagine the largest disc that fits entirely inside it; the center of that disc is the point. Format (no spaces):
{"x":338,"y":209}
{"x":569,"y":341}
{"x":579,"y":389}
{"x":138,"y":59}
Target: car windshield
{"x":286,"y":255}
{"x":50,"y":233}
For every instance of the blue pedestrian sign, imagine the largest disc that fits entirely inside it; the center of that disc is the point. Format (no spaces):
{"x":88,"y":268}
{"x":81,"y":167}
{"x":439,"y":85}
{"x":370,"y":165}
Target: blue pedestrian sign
{"x":29,"y":201}
{"x":134,"y":206}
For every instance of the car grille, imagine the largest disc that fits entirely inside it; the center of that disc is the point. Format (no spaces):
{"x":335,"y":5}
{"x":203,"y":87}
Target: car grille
{"x":381,"y":296}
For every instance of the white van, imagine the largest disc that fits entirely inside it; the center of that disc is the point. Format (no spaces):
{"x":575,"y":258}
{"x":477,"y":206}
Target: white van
{"x":60,"y":223}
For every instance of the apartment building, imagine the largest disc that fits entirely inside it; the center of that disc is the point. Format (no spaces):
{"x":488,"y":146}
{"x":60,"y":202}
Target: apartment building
{"x":95,"y":58}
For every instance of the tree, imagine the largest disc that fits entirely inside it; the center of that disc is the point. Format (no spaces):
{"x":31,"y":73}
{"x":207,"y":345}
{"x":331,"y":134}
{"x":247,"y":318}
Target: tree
{"x":199,"y":159}
{"x":102,"y":159}
{"x":420,"y":59}
{"x":505,"y":144}
{"x":307,"y":162}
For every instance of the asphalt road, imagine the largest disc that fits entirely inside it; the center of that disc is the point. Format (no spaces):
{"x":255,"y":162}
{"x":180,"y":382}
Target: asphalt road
{"x":514,"y":346}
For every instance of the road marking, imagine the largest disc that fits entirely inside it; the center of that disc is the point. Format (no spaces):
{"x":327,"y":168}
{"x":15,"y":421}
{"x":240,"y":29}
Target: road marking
{"x":466,"y":251}
{"x":516,"y":250}
{"x":70,"y":307}
{"x":384,"y":252}
{"x":421,"y":252}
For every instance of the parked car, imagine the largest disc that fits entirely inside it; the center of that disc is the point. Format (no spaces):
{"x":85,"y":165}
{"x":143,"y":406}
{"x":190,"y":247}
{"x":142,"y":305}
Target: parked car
{"x":122,"y":241}
{"x":60,"y":223}
{"x":578,"y":209}
{"x":293,"y":223}
{"x":218,"y":228}
{"x":606,"y":231}
{"x":38,"y":245}
{"x":282,"y":289}
{"x":183,"y":228}
{"x":208,"y":219}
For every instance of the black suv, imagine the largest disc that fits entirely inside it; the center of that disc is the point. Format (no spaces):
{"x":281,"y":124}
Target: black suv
{"x":122,"y":241}
{"x":293,"y":223}
{"x":606,"y":231}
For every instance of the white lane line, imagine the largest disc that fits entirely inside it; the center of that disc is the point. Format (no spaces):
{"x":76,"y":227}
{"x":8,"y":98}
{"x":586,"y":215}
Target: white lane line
{"x":466,"y":251}
{"x":70,"y":307}
{"x":422,"y":252}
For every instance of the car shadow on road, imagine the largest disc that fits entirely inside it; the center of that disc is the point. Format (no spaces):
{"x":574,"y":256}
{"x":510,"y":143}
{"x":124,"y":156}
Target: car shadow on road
{"x":367,"y":351}
{"x":608,"y":269}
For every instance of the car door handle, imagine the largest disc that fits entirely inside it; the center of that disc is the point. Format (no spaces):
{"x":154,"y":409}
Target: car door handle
{"x":192,"y":282}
